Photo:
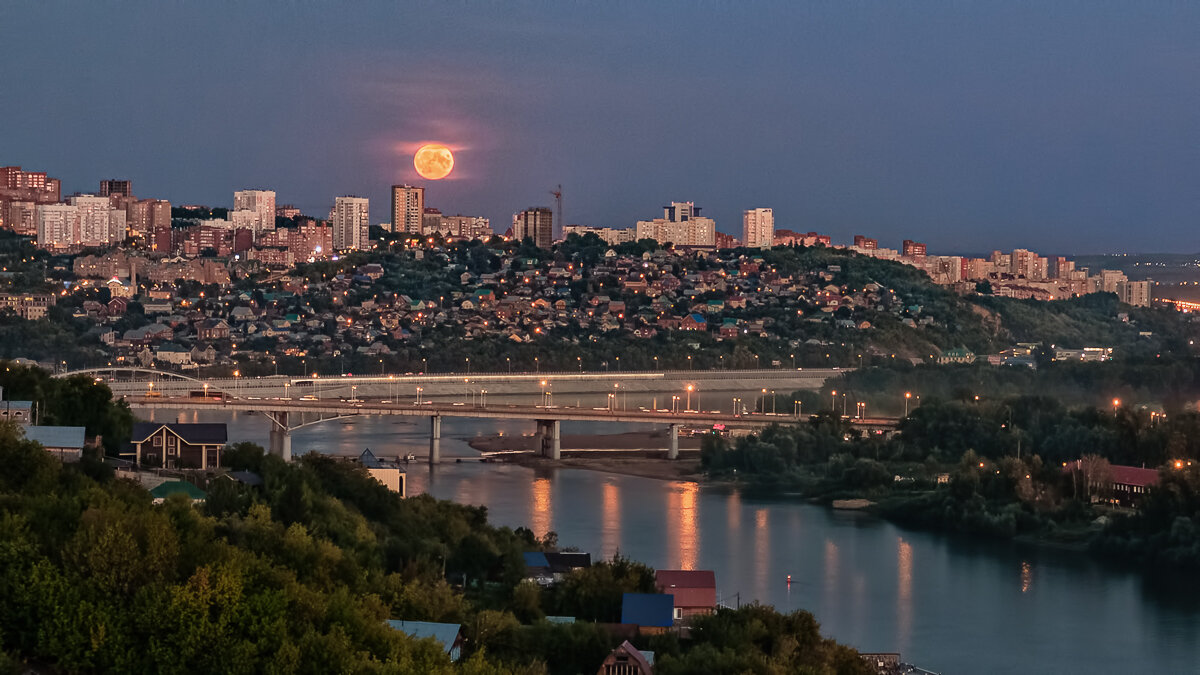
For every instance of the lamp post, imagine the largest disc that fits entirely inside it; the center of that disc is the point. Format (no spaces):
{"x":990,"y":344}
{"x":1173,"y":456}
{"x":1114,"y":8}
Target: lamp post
{"x":419,"y":390}
{"x":579,"y":361}
{"x":674,"y":403}
{"x":690,"y":387}
{"x":206,"y":391}
{"x":907,"y":396}
{"x":468,"y":365}
{"x":354,"y":392}
{"x":772,"y":401}
{"x":833,"y":401}
{"x":483,"y":398}
{"x":799,"y":409}
{"x":286,"y":393}
{"x":762,"y":406}
{"x":508,"y":360}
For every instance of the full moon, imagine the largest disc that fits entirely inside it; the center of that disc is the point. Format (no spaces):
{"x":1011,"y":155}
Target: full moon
{"x":433,"y":161}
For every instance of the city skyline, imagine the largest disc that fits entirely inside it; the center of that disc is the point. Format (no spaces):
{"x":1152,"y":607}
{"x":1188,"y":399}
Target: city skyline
{"x":977,"y":127}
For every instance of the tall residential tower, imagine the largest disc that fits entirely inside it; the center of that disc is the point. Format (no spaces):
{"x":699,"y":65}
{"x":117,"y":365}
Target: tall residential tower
{"x":408,"y":209}
{"x":351,"y":223}
{"x":758,"y":228}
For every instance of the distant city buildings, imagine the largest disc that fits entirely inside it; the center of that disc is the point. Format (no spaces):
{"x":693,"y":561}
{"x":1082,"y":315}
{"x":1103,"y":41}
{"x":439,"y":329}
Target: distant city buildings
{"x":351,"y":223}
{"x":611,"y":235}
{"x":913,"y":249}
{"x":408,"y":209}
{"x":287,"y":211}
{"x":254,"y":209}
{"x":536,"y":223}
{"x":681,"y":225}
{"x":115,"y":188}
{"x":790,"y":238}
{"x":758,"y":228}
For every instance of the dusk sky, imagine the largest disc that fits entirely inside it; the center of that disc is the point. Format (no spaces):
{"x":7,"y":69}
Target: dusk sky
{"x":1066,"y":127}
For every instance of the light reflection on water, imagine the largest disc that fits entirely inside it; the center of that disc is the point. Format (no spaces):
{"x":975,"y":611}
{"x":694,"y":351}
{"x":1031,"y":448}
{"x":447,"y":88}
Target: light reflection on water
{"x":947,"y":603}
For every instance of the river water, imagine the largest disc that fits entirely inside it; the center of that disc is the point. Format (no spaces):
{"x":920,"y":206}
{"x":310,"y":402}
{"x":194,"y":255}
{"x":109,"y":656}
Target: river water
{"x":949,"y":604}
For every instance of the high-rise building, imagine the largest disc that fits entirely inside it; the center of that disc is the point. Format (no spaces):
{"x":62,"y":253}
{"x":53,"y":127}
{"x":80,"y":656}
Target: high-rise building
{"x":758,"y":228}
{"x":115,"y":188}
{"x":536,"y":223}
{"x":99,"y":223}
{"x":351,"y":223}
{"x":912,"y":249}
{"x":144,"y":217}
{"x":865,"y":243}
{"x":57,"y":226}
{"x":19,"y":217}
{"x":287,"y":211}
{"x":408,"y":209}
{"x":681,"y":225}
{"x":261,"y":203}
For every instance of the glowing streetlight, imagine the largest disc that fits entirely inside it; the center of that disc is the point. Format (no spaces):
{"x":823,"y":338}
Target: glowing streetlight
{"x":907,"y":396}
{"x":833,"y":400}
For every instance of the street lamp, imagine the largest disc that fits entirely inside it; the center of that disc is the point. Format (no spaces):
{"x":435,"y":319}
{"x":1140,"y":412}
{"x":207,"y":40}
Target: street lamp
{"x":907,"y":395}
{"x":690,"y":387}
{"x":674,"y":403}
{"x":508,"y":360}
{"x":579,"y":361}
{"x":799,"y":409}
{"x":286,"y":396}
{"x":419,"y":390}
{"x":354,"y":392}
{"x":762,"y":406}
{"x":468,"y":364}
{"x":206,"y":391}
{"x":833,"y":401}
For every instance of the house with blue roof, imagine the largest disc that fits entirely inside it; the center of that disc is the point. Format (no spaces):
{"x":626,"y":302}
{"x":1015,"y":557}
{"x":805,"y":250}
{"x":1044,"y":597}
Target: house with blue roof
{"x":648,"y":610}
{"x":448,"y":635}
{"x":65,"y":443}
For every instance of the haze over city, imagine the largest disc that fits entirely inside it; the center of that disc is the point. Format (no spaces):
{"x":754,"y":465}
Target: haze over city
{"x":970,"y":127}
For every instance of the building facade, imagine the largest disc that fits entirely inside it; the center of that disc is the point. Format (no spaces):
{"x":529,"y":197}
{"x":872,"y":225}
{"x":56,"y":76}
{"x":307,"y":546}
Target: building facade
{"x":261,"y":203}
{"x":351,"y":223}
{"x":408,"y":209}
{"x":611,"y":235}
{"x":535,"y":223}
{"x":178,"y":446}
{"x":116,"y":188}
{"x":681,"y":225}
{"x":758,"y":228}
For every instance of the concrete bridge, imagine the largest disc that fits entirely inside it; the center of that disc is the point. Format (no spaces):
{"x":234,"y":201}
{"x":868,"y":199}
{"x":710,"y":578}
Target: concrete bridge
{"x":582,"y":389}
{"x":671,"y":398}
{"x":282,"y":411}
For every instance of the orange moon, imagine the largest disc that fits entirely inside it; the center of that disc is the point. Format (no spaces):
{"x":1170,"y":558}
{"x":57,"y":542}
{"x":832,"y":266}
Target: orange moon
{"x":434,"y":161}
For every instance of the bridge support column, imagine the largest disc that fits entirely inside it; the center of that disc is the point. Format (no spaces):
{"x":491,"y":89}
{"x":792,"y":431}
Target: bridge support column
{"x":281,"y":436}
{"x":550,"y":436}
{"x":673,"y":444}
{"x":435,"y":439}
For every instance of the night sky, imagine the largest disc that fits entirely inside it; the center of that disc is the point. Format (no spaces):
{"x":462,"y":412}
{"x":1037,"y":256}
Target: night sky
{"x":1066,"y":127}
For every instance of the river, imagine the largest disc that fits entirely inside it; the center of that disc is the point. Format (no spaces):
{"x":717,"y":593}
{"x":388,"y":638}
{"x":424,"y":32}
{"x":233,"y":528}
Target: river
{"x":949,"y":604}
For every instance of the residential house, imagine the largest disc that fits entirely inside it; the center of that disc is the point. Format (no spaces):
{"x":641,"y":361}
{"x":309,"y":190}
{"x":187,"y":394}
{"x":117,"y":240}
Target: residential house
{"x":388,"y":473}
{"x":651,"y":612}
{"x":627,"y":660}
{"x":17,"y":411}
{"x":448,"y":635}
{"x":694,"y":591}
{"x":196,"y":446}
{"x":65,"y":443}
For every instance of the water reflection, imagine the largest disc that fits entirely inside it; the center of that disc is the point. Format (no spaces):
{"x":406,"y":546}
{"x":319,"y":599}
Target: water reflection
{"x":683,"y":532}
{"x":1026,"y":576}
{"x":610,"y":530}
{"x":904,"y":600}
{"x":540,"y":512}
{"x":733,"y":511}
{"x":762,"y":551}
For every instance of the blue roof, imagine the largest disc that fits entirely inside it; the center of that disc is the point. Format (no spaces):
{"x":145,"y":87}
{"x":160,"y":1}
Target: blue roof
{"x":648,"y":609}
{"x":536,"y":559}
{"x":698,"y":318}
{"x":56,"y":437}
{"x":445,"y":633}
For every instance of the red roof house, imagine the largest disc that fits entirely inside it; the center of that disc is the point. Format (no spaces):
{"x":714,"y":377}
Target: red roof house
{"x":695,"y":591}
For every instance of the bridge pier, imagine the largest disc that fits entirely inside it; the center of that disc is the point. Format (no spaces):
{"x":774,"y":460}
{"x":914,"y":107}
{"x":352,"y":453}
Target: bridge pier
{"x":673,"y":446}
{"x":281,"y":436}
{"x":550,"y":434}
{"x":435,"y":439}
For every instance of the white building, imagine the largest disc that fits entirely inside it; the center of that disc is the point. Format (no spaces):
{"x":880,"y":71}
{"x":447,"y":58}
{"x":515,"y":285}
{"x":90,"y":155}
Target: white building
{"x":351,"y":223}
{"x":611,"y":235}
{"x":57,"y":226}
{"x":758,"y":228}
{"x":261,"y":202}
{"x":681,"y":225}
{"x":99,"y":223}
{"x":408,"y":209}
{"x":467,"y":227}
